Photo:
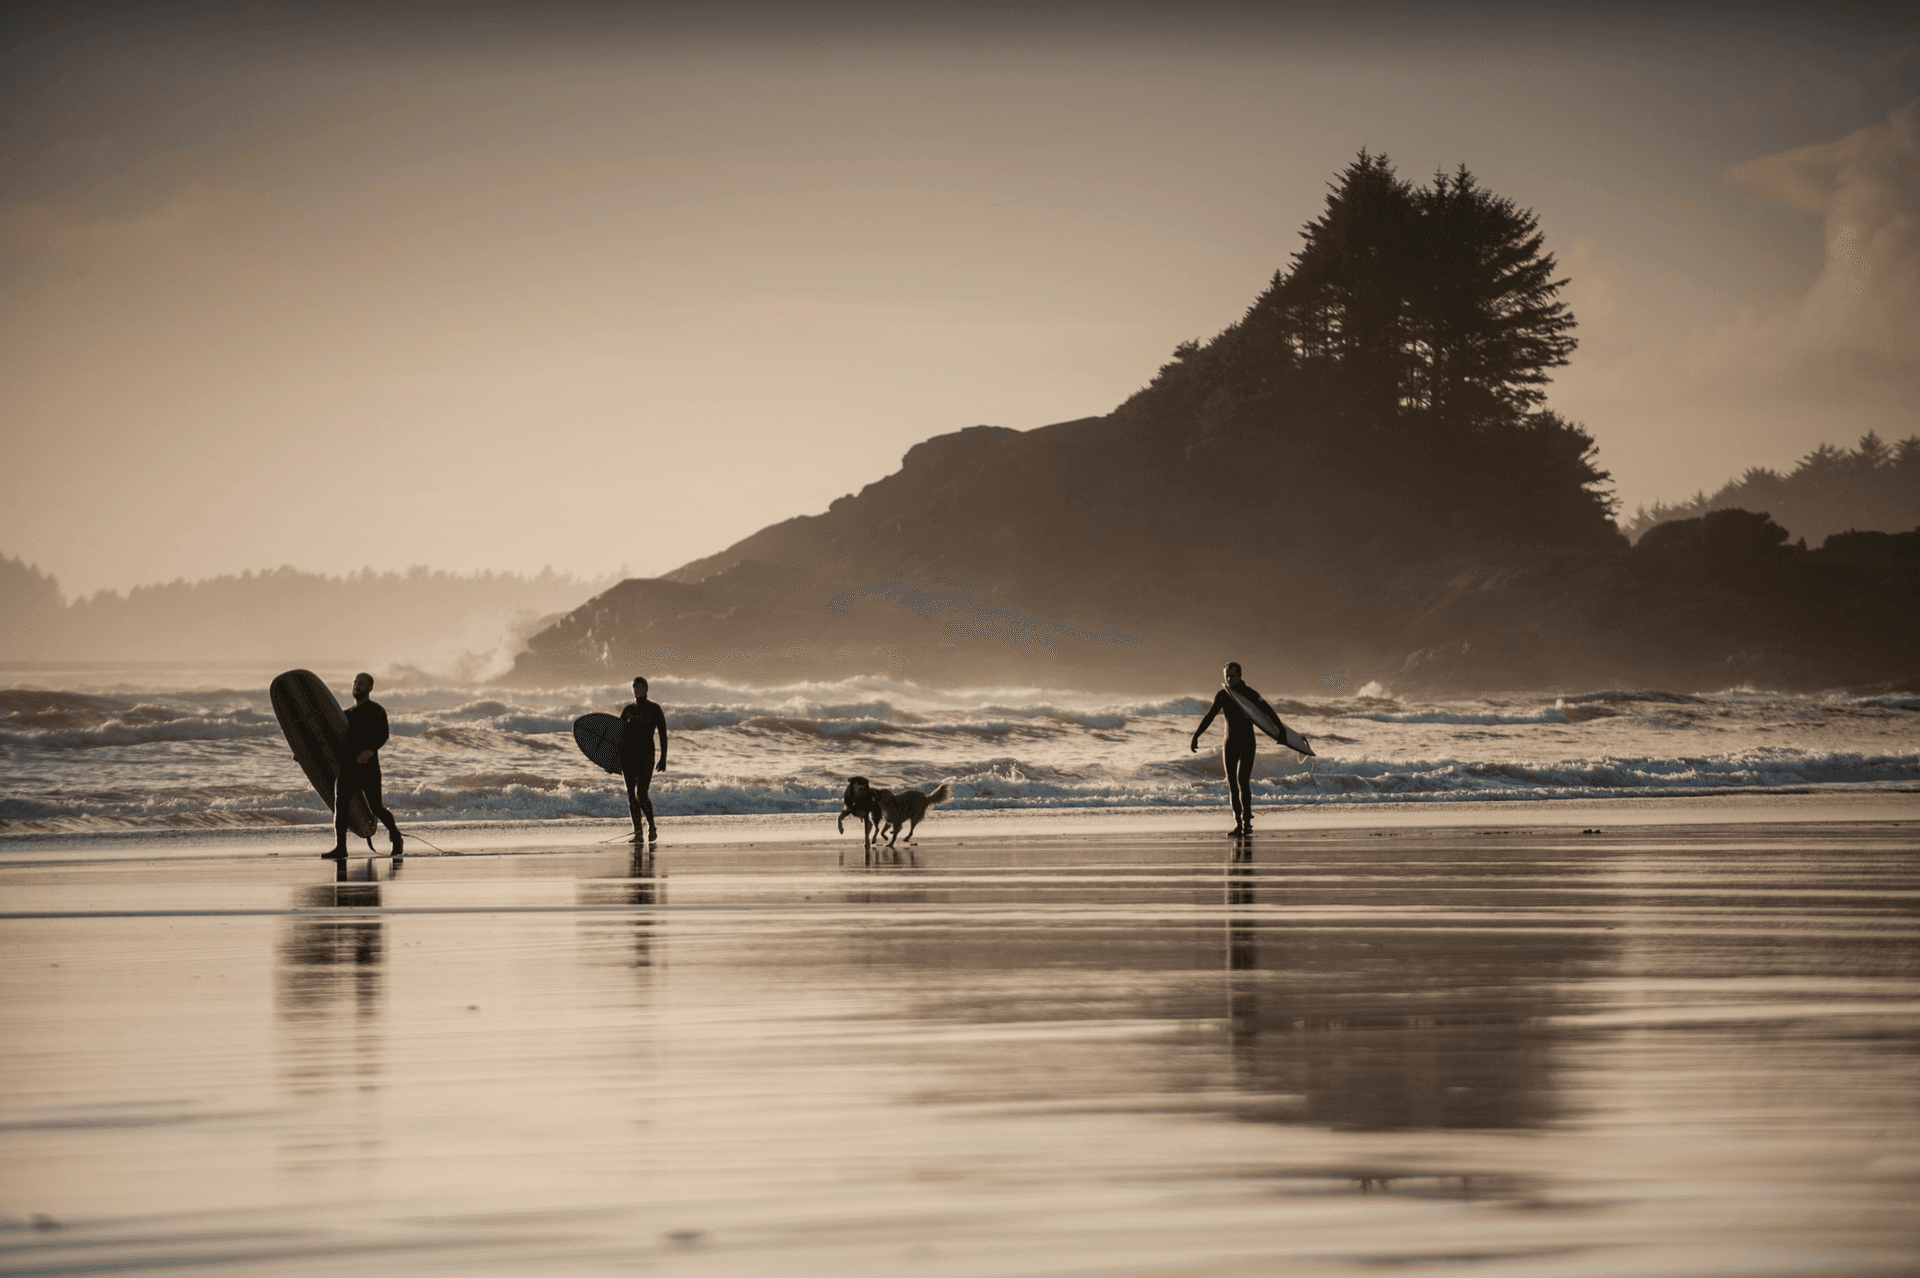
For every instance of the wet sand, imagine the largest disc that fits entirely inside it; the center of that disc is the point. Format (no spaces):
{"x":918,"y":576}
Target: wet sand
{"x":1495,"y":1045}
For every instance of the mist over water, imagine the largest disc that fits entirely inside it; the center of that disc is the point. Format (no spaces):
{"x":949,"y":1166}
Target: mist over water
{"x":461,"y":627}
{"x":202,"y":748}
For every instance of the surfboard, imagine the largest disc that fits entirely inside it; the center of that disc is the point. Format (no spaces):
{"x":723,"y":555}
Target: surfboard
{"x":1271,"y":725}
{"x":598,"y":736}
{"x":316,"y":732}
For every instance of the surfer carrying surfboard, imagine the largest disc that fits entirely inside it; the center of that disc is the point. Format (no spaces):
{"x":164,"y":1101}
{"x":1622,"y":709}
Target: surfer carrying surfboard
{"x":1240,"y":704}
{"x":360,"y":765}
{"x":640,"y":721}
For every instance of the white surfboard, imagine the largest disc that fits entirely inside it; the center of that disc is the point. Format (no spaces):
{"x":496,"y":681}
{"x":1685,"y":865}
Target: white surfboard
{"x":1273,"y":727}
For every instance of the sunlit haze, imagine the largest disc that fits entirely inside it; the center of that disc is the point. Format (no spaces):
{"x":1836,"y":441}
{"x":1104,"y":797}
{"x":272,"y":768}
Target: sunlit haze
{"x":603,"y":287}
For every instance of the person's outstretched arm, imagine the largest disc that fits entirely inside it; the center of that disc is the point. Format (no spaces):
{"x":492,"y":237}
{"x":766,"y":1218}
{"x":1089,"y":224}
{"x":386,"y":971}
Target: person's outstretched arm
{"x":1207,"y":722}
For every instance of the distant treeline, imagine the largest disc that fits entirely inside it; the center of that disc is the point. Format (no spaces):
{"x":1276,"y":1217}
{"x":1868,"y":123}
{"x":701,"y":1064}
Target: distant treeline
{"x":450,"y":623}
{"x":1876,"y":486}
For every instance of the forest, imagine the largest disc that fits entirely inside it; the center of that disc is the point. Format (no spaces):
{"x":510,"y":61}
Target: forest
{"x":1872,"y":486}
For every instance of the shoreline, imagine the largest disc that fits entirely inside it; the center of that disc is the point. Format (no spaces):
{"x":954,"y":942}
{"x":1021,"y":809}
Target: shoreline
{"x":951,"y":826}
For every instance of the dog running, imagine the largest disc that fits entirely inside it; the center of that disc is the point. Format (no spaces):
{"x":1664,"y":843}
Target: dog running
{"x":883,"y":812}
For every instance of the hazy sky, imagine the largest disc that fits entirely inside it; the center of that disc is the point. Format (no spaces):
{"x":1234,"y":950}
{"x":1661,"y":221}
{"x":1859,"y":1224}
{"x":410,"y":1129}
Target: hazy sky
{"x":498,"y":286}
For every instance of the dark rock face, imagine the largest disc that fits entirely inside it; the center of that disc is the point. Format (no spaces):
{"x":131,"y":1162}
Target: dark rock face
{"x":959,"y":568}
{"x":1099,"y":554}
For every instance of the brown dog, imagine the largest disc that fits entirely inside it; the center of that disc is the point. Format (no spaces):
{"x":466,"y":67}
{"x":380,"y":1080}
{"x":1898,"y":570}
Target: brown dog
{"x":908,"y":808}
{"x":887,"y":810}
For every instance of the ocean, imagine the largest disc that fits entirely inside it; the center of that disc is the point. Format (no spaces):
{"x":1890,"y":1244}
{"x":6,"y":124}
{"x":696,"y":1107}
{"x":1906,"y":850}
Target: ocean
{"x":102,"y":749}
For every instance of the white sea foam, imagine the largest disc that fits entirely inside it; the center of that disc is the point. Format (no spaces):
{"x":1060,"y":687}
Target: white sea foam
{"x":1549,"y":714}
{"x":142,"y":730}
{"x":215,"y":756}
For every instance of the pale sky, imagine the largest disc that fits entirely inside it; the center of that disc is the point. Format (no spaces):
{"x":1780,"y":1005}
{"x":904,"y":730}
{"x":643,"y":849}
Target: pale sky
{"x":500,"y":286}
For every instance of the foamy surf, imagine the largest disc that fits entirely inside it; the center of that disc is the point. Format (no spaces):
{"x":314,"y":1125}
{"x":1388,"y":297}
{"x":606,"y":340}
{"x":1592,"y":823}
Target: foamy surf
{"x":124,"y":755}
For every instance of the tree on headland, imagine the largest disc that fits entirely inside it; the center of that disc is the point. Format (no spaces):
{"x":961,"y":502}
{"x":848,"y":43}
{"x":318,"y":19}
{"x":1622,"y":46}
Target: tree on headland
{"x":1422,"y":323}
{"x":1362,"y":471}
{"x":1437,"y":301}
{"x":1484,"y":321}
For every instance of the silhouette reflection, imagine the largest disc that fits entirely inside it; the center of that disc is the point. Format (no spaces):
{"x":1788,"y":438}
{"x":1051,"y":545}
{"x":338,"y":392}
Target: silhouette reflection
{"x":880,"y":856}
{"x":873,"y":864}
{"x":635,"y":885}
{"x":328,"y":993}
{"x":327,"y":960}
{"x":1375,"y":1028}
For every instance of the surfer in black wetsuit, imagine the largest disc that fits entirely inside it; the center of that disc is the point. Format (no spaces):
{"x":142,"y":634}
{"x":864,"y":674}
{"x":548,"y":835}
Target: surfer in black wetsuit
{"x":642,"y":719}
{"x":360,"y":766}
{"x":1237,"y":754}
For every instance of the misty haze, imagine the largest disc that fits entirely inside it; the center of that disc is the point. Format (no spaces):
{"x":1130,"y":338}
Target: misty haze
{"x":960,"y":639}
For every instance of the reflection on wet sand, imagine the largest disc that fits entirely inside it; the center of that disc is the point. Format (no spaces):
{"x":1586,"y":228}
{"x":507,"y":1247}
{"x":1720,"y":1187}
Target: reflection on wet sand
{"x":1377,"y":1028}
{"x":328,"y":992}
{"x":879,"y":855}
{"x":1139,"y":1054}
{"x":635,"y":885}
{"x":331,"y":960}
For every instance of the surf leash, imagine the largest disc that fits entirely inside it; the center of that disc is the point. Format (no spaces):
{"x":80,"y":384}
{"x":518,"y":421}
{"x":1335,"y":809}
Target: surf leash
{"x":421,"y":839}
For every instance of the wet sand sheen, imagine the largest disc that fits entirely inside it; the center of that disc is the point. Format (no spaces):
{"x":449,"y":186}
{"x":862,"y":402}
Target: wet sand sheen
{"x":1665,"y":1049}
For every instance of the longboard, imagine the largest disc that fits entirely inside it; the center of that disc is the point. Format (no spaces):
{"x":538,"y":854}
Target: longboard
{"x":1272,"y":726}
{"x":598,"y":736}
{"x":316,"y":732}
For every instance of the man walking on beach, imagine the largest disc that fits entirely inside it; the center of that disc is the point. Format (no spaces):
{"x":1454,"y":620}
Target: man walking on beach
{"x":1237,"y":753}
{"x":360,"y":766}
{"x":642,"y":719}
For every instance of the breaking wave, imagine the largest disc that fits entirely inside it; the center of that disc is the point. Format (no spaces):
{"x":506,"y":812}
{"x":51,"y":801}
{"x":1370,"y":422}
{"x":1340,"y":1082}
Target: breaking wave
{"x":216,"y":756}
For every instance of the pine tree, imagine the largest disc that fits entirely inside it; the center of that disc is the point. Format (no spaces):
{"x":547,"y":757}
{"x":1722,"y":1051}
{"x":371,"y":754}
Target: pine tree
{"x":1485,"y":325}
{"x":1346,"y":293}
{"x":1436,"y":303}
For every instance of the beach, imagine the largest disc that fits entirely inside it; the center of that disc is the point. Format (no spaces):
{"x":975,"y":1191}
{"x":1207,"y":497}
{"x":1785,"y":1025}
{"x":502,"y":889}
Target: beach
{"x":1611,"y":1036}
{"x":1357,"y":814}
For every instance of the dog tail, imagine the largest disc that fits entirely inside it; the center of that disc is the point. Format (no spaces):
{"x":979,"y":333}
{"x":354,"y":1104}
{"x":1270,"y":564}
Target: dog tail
{"x":941,"y":794}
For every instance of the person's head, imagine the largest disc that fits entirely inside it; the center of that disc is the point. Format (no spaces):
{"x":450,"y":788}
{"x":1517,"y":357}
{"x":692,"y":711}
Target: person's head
{"x":362,"y":686}
{"x":1231,"y":674}
{"x":639,"y":688}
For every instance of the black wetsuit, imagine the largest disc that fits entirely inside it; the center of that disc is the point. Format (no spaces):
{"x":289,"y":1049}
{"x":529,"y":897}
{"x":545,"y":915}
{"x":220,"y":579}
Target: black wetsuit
{"x":642,"y":720}
{"x":366,"y":730}
{"x":1236,"y":755}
